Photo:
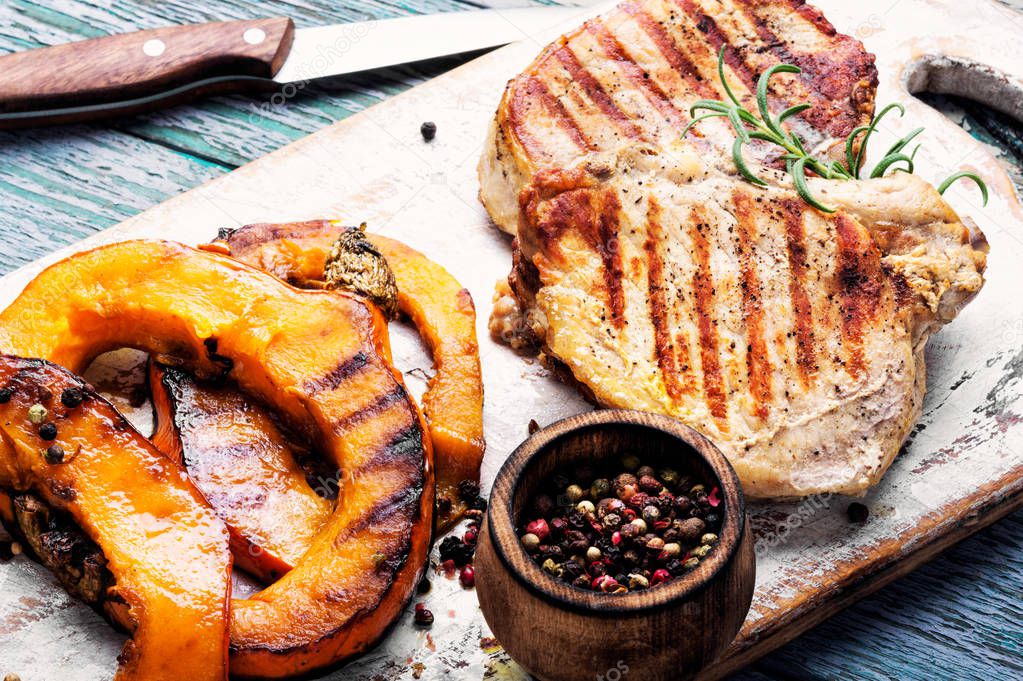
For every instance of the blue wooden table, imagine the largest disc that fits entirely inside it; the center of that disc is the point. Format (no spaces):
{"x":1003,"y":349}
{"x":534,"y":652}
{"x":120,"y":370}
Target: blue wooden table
{"x":960,"y":617}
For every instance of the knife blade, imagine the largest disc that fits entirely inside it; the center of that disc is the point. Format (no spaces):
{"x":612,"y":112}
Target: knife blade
{"x":145,"y":70}
{"x":361,"y":46}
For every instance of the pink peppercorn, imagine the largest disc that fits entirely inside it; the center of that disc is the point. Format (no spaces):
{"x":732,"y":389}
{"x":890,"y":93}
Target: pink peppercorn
{"x":539,"y":528}
{"x":713,"y":498}
{"x":467,"y":577}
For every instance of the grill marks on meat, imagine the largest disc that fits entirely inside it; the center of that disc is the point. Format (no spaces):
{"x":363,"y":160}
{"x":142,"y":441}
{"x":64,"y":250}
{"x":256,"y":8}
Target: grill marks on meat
{"x":640,"y":79}
{"x":670,"y":365}
{"x":596,"y":93}
{"x":758,"y":364}
{"x":859,"y":279}
{"x":795,"y":242}
{"x":728,"y":287}
{"x":709,"y":342}
{"x":744,"y":312}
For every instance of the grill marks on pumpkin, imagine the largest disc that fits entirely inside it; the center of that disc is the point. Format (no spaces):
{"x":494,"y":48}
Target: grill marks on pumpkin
{"x":758,"y":362}
{"x":345,"y":369}
{"x":388,"y":413}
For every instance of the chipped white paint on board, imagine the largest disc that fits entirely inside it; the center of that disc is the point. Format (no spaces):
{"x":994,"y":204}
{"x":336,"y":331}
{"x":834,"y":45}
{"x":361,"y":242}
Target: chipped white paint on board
{"x":966,"y":456}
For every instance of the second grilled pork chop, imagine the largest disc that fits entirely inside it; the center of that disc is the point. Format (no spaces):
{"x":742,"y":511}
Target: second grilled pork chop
{"x":656,"y":278}
{"x":631,"y":75}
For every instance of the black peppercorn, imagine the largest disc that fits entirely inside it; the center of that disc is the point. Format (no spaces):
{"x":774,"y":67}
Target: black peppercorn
{"x":478,"y":504}
{"x":857,"y":512}
{"x":424,"y":586}
{"x":54,"y":454}
{"x":428,"y":130}
{"x":571,"y":570}
{"x":5,"y":395}
{"x":552,"y":551}
{"x":468,"y":490}
{"x":48,"y":431}
{"x":674,"y":566}
{"x":71,"y":397}
{"x":454,"y":549}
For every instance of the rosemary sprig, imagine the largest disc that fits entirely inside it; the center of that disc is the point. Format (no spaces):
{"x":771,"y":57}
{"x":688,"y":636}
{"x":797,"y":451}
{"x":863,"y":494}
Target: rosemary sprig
{"x":769,"y":128}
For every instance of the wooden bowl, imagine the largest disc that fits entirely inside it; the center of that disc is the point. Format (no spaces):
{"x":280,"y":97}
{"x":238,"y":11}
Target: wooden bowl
{"x":561,"y":633}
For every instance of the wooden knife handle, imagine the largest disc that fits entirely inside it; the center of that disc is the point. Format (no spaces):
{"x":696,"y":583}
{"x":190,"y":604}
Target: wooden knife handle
{"x":140,"y":65}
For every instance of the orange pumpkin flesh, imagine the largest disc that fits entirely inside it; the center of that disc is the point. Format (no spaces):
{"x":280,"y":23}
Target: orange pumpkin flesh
{"x":442,"y":311}
{"x":167,"y":551}
{"x":321,"y":359}
{"x":244,"y":465}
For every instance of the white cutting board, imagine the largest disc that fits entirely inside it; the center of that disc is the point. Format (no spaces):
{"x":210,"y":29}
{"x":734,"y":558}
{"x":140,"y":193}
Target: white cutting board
{"x":963,"y":469}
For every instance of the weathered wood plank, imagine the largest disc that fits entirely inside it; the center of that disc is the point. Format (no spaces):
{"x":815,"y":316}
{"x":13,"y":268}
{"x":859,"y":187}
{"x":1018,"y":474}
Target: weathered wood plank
{"x":60,"y":186}
{"x":960,"y":617}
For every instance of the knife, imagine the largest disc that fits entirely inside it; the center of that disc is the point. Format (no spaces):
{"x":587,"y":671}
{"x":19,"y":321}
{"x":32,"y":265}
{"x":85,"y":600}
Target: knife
{"x":145,"y":70}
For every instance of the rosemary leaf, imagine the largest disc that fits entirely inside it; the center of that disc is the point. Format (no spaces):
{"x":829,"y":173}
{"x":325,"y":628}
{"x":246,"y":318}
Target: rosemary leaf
{"x":724,"y":82}
{"x":888,"y":161}
{"x":740,"y":163}
{"x":762,"y":85}
{"x":769,"y":129}
{"x":702,"y":117}
{"x":798,"y":171}
{"x":850,"y":157}
{"x":901,"y":144}
{"x":967,"y":175}
{"x":788,"y":113}
{"x":740,"y":129}
{"x":870,"y":131}
{"x":709,"y":105}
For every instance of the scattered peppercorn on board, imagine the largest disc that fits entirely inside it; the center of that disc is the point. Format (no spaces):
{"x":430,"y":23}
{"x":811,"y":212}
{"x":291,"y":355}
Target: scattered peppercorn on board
{"x":962,"y":469}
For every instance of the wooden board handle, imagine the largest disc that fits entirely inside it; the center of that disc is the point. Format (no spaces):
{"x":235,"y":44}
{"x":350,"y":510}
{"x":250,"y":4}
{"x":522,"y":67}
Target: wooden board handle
{"x":145,"y":64}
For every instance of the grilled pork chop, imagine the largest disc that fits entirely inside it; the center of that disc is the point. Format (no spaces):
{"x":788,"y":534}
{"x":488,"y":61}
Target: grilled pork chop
{"x":654,"y":277}
{"x":631,"y":75}
{"x":793,"y":338}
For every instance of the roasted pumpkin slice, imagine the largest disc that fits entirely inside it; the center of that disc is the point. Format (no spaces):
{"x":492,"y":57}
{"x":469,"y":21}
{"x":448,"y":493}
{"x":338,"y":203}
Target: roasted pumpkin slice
{"x":441,"y":309}
{"x":165,"y":549}
{"x":245,"y":465}
{"x":321,"y":359}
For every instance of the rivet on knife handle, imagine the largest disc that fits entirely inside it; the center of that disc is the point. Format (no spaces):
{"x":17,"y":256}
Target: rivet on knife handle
{"x":145,"y":64}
